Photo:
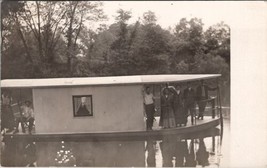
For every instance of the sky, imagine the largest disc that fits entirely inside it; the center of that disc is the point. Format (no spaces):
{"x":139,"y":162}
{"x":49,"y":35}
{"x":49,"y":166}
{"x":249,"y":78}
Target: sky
{"x":169,"y":13}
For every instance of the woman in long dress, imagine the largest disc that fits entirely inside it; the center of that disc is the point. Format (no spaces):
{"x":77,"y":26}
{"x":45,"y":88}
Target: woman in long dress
{"x":179,"y":112}
{"x":167,"y":118}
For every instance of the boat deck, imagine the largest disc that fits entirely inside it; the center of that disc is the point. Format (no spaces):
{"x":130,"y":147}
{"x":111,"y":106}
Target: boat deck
{"x":206,"y":119}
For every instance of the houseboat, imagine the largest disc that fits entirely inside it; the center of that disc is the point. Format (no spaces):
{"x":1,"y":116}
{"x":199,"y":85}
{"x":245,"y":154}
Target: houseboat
{"x":100,"y":108}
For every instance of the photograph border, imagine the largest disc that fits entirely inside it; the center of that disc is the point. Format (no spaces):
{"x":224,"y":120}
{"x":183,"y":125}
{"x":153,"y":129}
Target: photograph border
{"x":73,"y":104}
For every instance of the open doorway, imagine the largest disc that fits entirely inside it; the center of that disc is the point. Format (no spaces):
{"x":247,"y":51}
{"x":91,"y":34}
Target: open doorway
{"x":17,"y":113}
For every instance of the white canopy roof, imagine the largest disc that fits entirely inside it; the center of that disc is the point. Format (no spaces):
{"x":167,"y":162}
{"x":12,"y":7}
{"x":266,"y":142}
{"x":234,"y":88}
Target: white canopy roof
{"x":110,"y":80}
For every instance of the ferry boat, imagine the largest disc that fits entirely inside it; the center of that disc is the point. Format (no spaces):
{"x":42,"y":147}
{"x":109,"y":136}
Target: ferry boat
{"x":101,"y":108}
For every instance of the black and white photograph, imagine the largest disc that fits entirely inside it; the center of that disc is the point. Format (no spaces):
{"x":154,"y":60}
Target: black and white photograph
{"x":130,"y":84}
{"x":82,"y":105}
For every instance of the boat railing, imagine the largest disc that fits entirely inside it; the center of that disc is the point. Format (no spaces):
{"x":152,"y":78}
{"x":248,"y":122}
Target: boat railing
{"x":214,"y":108}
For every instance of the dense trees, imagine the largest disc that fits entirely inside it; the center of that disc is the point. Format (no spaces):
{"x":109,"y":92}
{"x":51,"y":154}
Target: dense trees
{"x":42,"y":27}
{"x":55,"y":39}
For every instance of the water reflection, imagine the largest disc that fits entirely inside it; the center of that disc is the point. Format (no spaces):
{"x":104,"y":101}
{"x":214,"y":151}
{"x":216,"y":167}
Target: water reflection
{"x":151,"y":153}
{"x":190,"y":160}
{"x":181,"y":154}
{"x":167,"y":147}
{"x":19,"y":154}
{"x":202,"y":154}
{"x":169,"y":151}
{"x":86,"y":154}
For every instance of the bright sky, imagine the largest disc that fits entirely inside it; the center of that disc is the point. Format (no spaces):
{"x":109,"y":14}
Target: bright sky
{"x":169,"y":13}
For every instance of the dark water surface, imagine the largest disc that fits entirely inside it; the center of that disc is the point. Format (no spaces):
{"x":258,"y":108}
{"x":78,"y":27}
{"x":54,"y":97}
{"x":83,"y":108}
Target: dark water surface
{"x":168,"y":152}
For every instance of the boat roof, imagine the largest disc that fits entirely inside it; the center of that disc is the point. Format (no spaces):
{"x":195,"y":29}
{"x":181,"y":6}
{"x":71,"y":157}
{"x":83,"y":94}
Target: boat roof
{"x":109,"y":80}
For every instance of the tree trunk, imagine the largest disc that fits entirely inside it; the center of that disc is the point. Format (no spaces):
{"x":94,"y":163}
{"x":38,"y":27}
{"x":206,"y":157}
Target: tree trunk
{"x":29,"y":57}
{"x":69,"y":39}
{"x":39,"y":39}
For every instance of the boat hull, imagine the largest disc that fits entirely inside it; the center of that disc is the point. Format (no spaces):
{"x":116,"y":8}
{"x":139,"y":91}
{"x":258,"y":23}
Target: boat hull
{"x":203,"y":129}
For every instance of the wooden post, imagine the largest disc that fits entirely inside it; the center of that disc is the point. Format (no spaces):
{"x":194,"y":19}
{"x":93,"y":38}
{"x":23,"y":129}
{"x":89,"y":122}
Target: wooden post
{"x":213,"y":143}
{"x":213,"y":107}
{"x":220,"y":105}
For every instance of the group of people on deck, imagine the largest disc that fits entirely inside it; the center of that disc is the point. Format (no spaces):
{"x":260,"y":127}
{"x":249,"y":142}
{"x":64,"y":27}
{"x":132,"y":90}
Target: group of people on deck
{"x":10,"y":122}
{"x":176,"y":105}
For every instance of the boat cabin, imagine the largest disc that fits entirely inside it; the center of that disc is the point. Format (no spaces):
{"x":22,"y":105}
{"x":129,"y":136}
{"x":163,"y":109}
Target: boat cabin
{"x":90,"y":104}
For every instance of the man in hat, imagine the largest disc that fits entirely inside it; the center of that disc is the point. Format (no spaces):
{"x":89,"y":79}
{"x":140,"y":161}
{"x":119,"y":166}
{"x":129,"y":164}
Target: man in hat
{"x":190,"y":101}
{"x":202,"y":97}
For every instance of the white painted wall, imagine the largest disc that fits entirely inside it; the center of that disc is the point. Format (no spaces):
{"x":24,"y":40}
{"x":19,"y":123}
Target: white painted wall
{"x":115,"y":108}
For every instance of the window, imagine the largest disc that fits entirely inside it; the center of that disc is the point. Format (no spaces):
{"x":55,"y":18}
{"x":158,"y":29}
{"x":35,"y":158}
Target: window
{"x":82,"y":105}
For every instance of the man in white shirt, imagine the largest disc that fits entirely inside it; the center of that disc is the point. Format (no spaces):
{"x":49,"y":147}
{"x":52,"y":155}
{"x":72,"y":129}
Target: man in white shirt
{"x":149,"y":107}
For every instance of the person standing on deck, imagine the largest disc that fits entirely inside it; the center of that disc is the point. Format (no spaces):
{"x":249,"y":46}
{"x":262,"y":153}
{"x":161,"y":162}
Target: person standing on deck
{"x":167,"y":118}
{"x":7,"y":116}
{"x":190,"y":101}
{"x":149,"y":107}
{"x":179,"y":112}
{"x":202,"y":96}
{"x":20,"y":119}
{"x":28,"y":115}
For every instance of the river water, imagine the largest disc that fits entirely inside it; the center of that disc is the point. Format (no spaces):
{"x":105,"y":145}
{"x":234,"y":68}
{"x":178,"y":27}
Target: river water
{"x":208,"y":151}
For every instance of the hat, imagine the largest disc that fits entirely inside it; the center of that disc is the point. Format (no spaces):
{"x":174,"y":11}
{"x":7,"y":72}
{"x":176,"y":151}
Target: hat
{"x":171,"y":88}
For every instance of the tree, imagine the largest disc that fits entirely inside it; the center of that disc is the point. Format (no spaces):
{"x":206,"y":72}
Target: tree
{"x":41,"y":25}
{"x":55,"y":39}
{"x":215,"y":64}
{"x":78,"y":14}
{"x":187,"y":43}
{"x":37,"y":26}
{"x":7,"y":25}
{"x":15,"y":52}
{"x":149,"y":17}
{"x":120,"y":47}
{"x":153,"y":49}
{"x":217,"y":38}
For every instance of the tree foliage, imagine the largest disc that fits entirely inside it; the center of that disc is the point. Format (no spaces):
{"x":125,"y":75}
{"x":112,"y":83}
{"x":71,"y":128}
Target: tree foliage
{"x":55,"y":39}
{"x":42,"y":25}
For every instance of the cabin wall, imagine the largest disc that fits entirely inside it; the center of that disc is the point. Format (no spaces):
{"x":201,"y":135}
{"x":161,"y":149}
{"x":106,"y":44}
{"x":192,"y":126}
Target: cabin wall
{"x":115,"y":108}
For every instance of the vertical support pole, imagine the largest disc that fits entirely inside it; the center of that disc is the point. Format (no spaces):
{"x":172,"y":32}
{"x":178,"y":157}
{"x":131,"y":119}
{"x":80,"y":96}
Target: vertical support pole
{"x":153,"y":87}
{"x":220,"y":105}
{"x":213,"y":143}
{"x":213,"y":108}
{"x":220,"y":110}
